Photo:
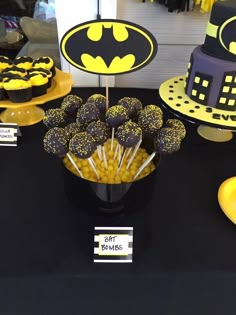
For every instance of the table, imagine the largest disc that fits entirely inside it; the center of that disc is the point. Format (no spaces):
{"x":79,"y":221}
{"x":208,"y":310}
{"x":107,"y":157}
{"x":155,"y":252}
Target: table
{"x":185,"y":262}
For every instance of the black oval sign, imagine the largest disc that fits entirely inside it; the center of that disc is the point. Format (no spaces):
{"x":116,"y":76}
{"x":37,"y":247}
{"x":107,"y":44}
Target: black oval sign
{"x":108,"y":47}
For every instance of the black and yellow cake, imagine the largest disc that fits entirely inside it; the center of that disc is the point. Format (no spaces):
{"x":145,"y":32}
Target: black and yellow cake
{"x":206,"y":94}
{"x":211,"y":75}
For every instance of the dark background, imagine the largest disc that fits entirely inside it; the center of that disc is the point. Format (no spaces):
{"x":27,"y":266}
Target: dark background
{"x":184,"y":246}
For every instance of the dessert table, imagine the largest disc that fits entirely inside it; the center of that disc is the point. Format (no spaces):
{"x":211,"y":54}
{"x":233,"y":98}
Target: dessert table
{"x":184,"y":259}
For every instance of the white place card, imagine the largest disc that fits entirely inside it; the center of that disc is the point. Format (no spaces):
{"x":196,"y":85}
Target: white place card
{"x":113,"y":244}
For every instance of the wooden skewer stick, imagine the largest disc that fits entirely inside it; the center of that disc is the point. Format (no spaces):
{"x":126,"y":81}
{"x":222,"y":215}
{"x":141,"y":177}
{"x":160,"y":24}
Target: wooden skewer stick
{"x":134,"y":153}
{"x":145,"y":163}
{"x":107,"y":93}
{"x":74,"y":164}
{"x":93,"y":165}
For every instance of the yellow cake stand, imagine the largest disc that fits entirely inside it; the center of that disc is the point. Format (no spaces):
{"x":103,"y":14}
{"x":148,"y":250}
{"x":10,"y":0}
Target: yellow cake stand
{"x":227,"y":198}
{"x":28,"y":113}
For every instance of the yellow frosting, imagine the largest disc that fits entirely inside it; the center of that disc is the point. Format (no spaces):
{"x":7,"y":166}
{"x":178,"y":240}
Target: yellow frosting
{"x":39,"y":63}
{"x":25,"y":65}
{"x":17,"y":72}
{"x":5,"y":62}
{"x":37,"y":70}
{"x":38,"y":79}
{"x":16,"y":84}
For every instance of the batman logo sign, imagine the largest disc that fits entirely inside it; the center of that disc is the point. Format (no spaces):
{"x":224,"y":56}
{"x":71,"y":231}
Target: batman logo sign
{"x":108,"y":47}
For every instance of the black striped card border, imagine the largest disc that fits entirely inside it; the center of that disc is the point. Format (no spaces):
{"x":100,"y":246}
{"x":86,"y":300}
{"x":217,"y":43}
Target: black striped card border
{"x":112,"y":258}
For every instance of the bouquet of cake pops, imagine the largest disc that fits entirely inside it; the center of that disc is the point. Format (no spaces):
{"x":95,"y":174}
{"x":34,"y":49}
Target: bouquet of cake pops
{"x":108,"y":144}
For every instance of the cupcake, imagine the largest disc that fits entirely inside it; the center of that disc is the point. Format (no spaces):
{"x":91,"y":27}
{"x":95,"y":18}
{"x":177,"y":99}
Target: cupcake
{"x":24,"y":62}
{"x":45,"y":63}
{"x":18,"y":90}
{"x":46,"y":72}
{"x":5,"y":62}
{"x":15,"y":70}
{"x":39,"y":84}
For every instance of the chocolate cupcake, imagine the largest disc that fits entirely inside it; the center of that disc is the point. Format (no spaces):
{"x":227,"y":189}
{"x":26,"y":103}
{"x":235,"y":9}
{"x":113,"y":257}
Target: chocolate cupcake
{"x":39,"y":84}
{"x":46,"y":72}
{"x":18,"y":90}
{"x":45,"y":63}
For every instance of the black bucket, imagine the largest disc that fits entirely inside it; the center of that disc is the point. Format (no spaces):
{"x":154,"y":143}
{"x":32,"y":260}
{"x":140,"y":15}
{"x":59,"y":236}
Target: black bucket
{"x":110,"y":198}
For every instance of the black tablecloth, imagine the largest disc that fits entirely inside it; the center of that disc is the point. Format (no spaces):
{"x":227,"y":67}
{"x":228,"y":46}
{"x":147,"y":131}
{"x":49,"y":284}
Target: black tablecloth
{"x":184,"y":246}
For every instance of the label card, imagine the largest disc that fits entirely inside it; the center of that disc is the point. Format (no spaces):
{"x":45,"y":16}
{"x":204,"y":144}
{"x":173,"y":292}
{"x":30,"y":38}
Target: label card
{"x":113,"y":244}
{"x":8,"y":134}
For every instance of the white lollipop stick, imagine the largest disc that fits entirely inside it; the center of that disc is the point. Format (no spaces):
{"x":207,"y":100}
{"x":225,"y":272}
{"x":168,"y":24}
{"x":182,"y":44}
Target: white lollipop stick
{"x":134,"y":153}
{"x":99,"y":152}
{"x":104,"y":157}
{"x":112,"y":138}
{"x":74,"y":164}
{"x":148,"y":160}
{"x":128,"y":152}
{"x":116,"y":151}
{"x":93,"y":165}
{"x":121,"y":162}
{"x":120,"y":153}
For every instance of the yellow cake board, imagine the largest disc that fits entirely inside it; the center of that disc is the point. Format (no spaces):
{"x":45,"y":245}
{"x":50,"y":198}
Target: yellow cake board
{"x":173,"y":95}
{"x":227,"y":198}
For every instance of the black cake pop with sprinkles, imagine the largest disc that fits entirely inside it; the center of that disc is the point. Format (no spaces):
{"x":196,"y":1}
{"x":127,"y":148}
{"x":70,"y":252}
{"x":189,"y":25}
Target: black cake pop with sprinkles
{"x":55,"y":117}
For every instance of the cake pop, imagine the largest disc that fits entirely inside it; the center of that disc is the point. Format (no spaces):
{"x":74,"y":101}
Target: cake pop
{"x":83,"y":145}
{"x":88,"y":113}
{"x":99,"y":100}
{"x":155,"y":108}
{"x":72,"y":129}
{"x":150,"y":120}
{"x":71,"y":104}
{"x":177,"y":125}
{"x":128,"y":135}
{"x":132,"y":104}
{"x":166,"y":141}
{"x":100,"y":131}
{"x":116,"y":116}
{"x":55,"y":117}
{"x":56,"y":141}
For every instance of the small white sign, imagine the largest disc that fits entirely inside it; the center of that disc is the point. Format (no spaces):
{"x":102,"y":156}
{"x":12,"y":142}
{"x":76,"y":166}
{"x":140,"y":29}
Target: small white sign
{"x":113,"y":244}
{"x":8,"y":134}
